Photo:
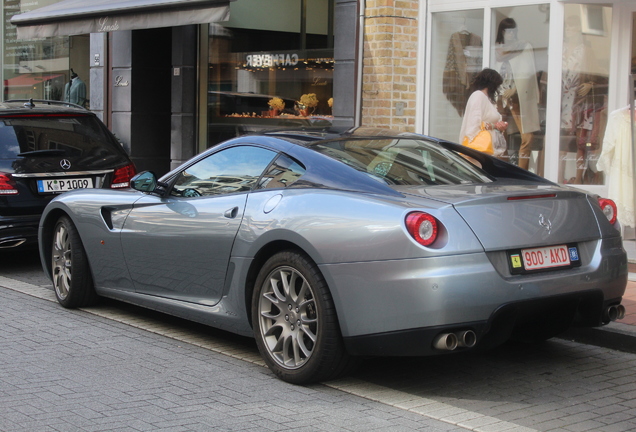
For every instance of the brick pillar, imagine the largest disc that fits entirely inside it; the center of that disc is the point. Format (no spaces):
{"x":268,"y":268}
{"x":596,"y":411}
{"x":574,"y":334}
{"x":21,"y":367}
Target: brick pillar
{"x":390,"y":64}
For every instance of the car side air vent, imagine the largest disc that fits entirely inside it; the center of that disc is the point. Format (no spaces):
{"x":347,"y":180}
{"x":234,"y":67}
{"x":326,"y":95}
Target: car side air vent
{"x":105,"y":211}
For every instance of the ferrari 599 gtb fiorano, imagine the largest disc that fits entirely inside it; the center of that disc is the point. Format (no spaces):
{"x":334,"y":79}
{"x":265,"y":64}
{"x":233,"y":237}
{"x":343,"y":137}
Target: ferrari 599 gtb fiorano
{"x":327,"y":247}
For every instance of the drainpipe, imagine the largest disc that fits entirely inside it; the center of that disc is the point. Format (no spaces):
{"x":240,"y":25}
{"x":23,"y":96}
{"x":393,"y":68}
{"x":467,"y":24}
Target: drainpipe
{"x":360,"y":60}
{"x":631,"y":121}
{"x":303,"y":26}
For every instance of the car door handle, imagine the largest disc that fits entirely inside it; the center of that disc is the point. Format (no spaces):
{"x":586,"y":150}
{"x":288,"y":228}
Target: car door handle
{"x":231,"y":213}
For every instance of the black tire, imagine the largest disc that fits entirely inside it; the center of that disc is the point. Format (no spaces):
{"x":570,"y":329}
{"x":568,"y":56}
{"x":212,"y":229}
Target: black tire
{"x":297,"y":332}
{"x":70,"y":272}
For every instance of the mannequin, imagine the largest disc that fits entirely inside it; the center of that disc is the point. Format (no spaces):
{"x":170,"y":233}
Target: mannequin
{"x":616,"y":158}
{"x":519,"y":93}
{"x":583,"y":110}
{"x":75,"y":90}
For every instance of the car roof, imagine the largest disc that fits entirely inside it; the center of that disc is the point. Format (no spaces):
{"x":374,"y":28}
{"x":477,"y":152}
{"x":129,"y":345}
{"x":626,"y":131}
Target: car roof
{"x":310,"y":135}
{"x":41,"y":106}
{"x":491,"y":165}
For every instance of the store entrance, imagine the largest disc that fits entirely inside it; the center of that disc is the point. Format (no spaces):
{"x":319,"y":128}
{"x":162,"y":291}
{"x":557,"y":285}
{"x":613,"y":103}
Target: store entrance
{"x":141,"y":86}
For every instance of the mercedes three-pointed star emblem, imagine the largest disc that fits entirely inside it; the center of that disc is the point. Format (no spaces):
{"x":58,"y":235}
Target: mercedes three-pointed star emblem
{"x":65,"y":164}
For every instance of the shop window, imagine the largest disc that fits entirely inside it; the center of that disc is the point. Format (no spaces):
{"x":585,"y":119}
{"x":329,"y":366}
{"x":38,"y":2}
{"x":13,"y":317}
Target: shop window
{"x":519,"y":53}
{"x":456,"y":57}
{"x":584,"y":89}
{"x":39,"y":69}
{"x":270,"y":69}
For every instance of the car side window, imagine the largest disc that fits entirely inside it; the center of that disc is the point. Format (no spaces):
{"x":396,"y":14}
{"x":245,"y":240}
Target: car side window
{"x":236,"y":169}
{"x":281,"y":174}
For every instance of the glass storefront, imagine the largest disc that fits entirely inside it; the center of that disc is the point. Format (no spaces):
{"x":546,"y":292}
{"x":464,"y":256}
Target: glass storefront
{"x":584,"y":91}
{"x":518,"y":51}
{"x":270,"y":69}
{"x":457,"y":56}
{"x":517,"y":45}
{"x":520,"y":38}
{"x":53,"y":68}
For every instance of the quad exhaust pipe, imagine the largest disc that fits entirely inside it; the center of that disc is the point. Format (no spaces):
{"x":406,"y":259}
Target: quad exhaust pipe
{"x":614,"y":312}
{"x":466,"y":339}
{"x":451,"y":341}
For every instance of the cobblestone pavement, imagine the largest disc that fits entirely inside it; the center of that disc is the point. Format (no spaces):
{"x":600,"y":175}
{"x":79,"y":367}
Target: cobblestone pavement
{"x":117,"y":367}
{"x":64,"y":370}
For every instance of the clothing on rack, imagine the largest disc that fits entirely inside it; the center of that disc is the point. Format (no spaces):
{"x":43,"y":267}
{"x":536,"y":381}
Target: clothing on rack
{"x":616,"y":157}
{"x":463,"y":62}
{"x":582,"y":115}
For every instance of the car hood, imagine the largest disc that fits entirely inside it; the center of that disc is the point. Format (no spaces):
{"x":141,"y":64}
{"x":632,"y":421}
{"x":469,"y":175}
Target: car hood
{"x":514,"y":216}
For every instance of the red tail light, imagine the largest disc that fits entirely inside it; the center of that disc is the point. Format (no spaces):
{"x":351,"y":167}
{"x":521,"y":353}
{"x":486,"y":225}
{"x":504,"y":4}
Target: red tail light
{"x":527,"y":197}
{"x":423,"y":227}
{"x":609,"y":209}
{"x":122,"y":176}
{"x":7,"y":185}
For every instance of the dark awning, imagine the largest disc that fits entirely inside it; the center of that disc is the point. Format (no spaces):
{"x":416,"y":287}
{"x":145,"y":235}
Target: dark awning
{"x":71,"y":17}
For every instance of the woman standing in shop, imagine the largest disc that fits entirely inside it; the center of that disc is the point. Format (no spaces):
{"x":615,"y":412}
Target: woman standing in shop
{"x":481,"y":111}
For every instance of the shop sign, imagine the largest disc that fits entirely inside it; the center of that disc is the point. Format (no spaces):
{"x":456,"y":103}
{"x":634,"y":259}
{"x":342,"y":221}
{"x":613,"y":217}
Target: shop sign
{"x":270,"y":60}
{"x":105,"y":25}
{"x":318,"y":82}
{"x":120,"y":82}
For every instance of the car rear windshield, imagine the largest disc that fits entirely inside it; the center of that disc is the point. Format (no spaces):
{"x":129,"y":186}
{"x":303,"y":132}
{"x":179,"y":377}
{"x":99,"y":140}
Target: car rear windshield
{"x":71,"y":136}
{"x":404,"y":161}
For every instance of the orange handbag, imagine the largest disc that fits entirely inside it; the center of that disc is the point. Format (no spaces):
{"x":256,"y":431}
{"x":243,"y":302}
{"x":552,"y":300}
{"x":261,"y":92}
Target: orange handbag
{"x":482,"y":142}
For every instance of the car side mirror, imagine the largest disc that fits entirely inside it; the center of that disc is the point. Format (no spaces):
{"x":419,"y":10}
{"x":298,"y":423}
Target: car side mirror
{"x":145,"y":181}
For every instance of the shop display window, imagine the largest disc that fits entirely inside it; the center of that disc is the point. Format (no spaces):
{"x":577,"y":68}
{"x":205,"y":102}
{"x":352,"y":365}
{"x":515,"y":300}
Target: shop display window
{"x":584,"y":92}
{"x":274,"y":73}
{"x":519,"y":52}
{"x":456,"y":57}
{"x":49,"y":68}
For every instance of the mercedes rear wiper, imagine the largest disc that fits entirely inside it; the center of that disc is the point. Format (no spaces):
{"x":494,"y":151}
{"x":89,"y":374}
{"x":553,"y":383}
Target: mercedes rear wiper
{"x":46,"y":152}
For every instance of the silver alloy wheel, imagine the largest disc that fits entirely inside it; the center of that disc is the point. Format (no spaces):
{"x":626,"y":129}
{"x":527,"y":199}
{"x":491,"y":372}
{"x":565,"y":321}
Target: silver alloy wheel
{"x":62,"y":261}
{"x":288,"y":318}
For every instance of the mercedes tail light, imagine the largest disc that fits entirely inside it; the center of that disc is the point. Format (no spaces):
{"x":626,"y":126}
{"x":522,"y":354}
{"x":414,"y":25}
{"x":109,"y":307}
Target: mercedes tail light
{"x":609,"y":209}
{"x":122,"y":176}
{"x":7,"y":185}
{"x":423,"y":227}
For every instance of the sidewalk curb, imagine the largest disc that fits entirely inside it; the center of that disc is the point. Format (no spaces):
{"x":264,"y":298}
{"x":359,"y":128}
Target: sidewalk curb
{"x":616,"y":336}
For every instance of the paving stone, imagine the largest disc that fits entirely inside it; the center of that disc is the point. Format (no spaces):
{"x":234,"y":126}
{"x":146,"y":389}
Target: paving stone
{"x":109,"y":375}
{"x":99,"y":375}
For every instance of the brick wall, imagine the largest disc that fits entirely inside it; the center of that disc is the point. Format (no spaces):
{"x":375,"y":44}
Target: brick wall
{"x":390,"y":62}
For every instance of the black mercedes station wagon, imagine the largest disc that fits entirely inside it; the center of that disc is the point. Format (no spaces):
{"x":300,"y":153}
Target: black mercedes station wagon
{"x":47,"y":148}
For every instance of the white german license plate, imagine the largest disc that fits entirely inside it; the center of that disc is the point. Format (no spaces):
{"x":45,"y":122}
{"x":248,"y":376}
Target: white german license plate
{"x":63,"y":185}
{"x":545,"y":257}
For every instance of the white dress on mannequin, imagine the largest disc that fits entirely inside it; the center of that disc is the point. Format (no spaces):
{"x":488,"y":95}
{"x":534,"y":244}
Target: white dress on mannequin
{"x":616,"y":161}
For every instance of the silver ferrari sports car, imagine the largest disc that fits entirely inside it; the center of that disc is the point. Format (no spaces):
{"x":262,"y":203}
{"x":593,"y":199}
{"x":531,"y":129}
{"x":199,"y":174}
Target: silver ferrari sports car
{"x":327,"y":247}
